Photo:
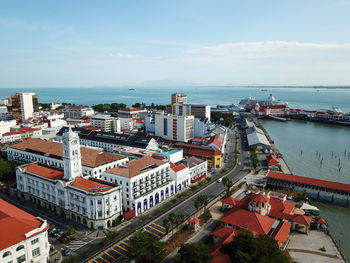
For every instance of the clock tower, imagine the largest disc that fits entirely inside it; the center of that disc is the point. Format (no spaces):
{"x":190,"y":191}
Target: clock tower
{"x":71,"y":155}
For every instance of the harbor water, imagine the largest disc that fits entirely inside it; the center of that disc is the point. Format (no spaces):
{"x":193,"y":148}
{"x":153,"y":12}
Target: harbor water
{"x":318,"y":150}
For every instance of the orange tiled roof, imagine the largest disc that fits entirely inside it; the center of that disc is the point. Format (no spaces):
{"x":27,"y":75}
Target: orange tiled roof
{"x":14,"y":224}
{"x":44,"y":171}
{"x":135,"y":167}
{"x":243,"y":218}
{"x":176,"y":168}
{"x":90,"y":185}
{"x":90,"y":157}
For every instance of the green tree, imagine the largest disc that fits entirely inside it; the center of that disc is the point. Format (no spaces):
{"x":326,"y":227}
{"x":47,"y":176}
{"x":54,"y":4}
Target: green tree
{"x":245,"y":248}
{"x":193,"y":253}
{"x":201,"y":201}
{"x":146,"y":248}
{"x":137,"y":105}
{"x":227,"y":182}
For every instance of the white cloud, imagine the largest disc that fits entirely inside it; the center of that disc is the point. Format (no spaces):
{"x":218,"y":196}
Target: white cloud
{"x":263,"y":49}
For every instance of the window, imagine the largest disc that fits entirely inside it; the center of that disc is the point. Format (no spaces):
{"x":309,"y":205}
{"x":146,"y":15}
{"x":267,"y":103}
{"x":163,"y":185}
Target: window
{"x":34,"y":241}
{"x":36,"y":252}
{"x":99,"y":202}
{"x":7,"y":253}
{"x":21,"y":259}
{"x":19,"y":248}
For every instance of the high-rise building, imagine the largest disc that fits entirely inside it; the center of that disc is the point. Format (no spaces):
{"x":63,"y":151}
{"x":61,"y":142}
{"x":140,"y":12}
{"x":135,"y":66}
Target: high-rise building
{"x":24,"y":105}
{"x":198,"y":111}
{"x":178,"y":98}
{"x":174,"y":127}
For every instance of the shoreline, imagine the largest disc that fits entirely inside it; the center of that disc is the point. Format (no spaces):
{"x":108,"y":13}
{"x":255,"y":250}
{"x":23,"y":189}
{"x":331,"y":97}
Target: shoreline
{"x":327,"y":231}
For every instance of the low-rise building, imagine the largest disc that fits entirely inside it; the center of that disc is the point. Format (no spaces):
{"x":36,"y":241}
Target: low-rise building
{"x":5,"y":126}
{"x":73,"y":111}
{"x":198,"y":168}
{"x":69,"y":191}
{"x":106,"y":123}
{"x":111,"y":142}
{"x":145,"y":181}
{"x":94,"y":162}
{"x":181,"y":175}
{"x":131,"y":113}
{"x":23,"y":237}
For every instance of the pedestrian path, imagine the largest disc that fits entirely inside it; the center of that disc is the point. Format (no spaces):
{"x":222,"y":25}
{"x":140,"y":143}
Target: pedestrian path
{"x":121,"y":250}
{"x":76,"y":244}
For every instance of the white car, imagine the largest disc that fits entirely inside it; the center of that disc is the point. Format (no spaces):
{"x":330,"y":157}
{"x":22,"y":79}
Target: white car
{"x":220,"y":180}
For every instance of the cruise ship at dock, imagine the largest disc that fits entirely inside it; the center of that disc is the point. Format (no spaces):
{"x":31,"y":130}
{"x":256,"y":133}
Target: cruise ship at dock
{"x":270,"y":100}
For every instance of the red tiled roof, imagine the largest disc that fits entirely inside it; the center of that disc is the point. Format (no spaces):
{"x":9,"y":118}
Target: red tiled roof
{"x":272,"y":160}
{"x":230,"y":201}
{"x":282,"y":232}
{"x":222,"y":231}
{"x":158,"y":157}
{"x":261,"y":198}
{"x":44,"y":171}
{"x":204,"y":152}
{"x":90,"y":157}
{"x":14,"y":224}
{"x":193,"y":220}
{"x":177,"y":168}
{"x":11,"y":133}
{"x":273,"y":106}
{"x":216,"y":139}
{"x":90,"y":128}
{"x":90,"y":185}
{"x":302,"y":219}
{"x":246,"y":219}
{"x":310,"y":181}
{"x":28,"y":129}
{"x":135,"y":167}
{"x":321,"y":221}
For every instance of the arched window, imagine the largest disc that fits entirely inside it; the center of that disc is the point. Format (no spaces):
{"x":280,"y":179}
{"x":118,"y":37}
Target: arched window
{"x":7,"y":253}
{"x":19,"y":248}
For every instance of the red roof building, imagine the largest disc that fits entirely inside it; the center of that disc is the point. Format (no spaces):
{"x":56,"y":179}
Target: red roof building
{"x":272,"y":161}
{"x":18,"y":230}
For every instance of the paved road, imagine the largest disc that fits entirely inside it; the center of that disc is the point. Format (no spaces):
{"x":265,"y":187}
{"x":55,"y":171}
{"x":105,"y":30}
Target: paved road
{"x":188,"y":206}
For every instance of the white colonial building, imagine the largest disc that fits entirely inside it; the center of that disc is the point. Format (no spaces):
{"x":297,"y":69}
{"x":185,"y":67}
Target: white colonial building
{"x":69,"y":192}
{"x":145,"y":181}
{"x":23,"y":237}
{"x":181,"y":175}
{"x":94,"y":162}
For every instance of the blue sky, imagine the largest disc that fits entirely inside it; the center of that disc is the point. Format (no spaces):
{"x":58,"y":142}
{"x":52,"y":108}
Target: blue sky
{"x":92,"y":43}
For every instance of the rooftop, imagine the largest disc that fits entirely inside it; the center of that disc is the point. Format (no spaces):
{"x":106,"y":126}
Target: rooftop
{"x":90,"y":185}
{"x":44,"y":171}
{"x":90,"y":157}
{"x":15,"y":224}
{"x":136,"y":167}
{"x":310,"y":181}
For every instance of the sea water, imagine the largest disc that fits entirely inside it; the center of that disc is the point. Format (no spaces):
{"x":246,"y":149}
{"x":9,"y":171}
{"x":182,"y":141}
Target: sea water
{"x":303,"y":145}
{"x":297,"y":97}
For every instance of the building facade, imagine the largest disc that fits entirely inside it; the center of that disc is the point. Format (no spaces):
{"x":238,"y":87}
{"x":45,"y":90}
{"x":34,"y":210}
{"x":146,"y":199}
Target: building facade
{"x":69,"y":192}
{"x":145,"y":181}
{"x":106,"y":123}
{"x":23,"y":237}
{"x":74,"y":112}
{"x":24,"y":105}
{"x":199,"y":111}
{"x":94,"y":162}
{"x":174,"y":127}
{"x":178,"y":98}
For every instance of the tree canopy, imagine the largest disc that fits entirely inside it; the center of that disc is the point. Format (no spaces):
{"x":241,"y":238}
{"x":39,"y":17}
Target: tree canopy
{"x":146,"y":248}
{"x":227,"y":117}
{"x":193,"y":253}
{"x":113,"y":107}
{"x":247,"y":248}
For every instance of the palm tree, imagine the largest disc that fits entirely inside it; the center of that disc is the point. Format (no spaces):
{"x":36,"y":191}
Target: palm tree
{"x":167,"y":225}
{"x":227,"y":182}
{"x":202,"y":201}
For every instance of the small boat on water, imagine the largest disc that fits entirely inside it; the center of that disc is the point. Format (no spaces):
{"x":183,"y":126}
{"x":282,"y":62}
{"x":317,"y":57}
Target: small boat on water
{"x":264,"y":90}
{"x":131,"y":89}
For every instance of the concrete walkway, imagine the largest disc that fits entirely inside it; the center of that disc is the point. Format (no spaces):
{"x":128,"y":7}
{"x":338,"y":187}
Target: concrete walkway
{"x":306,"y":248}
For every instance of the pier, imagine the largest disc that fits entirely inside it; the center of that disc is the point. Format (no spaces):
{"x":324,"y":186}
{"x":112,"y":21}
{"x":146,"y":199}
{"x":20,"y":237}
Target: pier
{"x":321,"y":190}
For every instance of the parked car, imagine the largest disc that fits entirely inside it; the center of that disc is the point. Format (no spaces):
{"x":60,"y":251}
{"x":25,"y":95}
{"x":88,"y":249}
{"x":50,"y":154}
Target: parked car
{"x":219,"y":181}
{"x":289,"y":197}
{"x":65,"y":252}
